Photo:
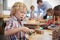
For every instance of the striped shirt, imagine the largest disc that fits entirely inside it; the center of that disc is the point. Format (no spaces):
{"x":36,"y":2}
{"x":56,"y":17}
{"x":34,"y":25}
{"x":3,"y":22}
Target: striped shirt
{"x":13,"y":23}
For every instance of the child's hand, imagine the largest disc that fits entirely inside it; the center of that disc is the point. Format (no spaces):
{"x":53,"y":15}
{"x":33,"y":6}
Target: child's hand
{"x":32,"y":31}
{"x":25,"y":29}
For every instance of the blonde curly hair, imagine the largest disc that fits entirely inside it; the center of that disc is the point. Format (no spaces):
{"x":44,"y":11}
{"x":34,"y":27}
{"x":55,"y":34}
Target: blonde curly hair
{"x":18,"y":6}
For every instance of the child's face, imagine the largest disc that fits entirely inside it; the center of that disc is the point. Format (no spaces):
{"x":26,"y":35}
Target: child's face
{"x":49,"y":14}
{"x":32,"y":8}
{"x":40,"y":4}
{"x":21,"y":14}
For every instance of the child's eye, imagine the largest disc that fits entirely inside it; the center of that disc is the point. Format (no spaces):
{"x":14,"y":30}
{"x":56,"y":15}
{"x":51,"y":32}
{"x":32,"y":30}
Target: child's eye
{"x":24,"y":13}
{"x":21,"y":12}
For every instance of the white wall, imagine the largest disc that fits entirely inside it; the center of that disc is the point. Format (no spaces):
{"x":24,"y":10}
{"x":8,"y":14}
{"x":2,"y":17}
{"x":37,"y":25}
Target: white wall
{"x":28,"y":3}
{"x":11,"y":2}
{"x":53,"y":2}
{"x":32,"y":2}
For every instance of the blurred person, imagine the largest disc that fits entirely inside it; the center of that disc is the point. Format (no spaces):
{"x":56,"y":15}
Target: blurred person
{"x":42,"y":7}
{"x":32,"y":12}
{"x":57,"y":14}
{"x":49,"y":14}
{"x":56,"y":17}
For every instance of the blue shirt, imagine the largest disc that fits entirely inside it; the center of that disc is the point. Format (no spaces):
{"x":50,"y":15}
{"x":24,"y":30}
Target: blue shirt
{"x":43,"y":8}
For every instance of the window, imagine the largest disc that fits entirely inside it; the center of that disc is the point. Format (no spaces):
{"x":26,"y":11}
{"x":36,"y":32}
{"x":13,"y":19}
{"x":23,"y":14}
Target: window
{"x":8,"y":3}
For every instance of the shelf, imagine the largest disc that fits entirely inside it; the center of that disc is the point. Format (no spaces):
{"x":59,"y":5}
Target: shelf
{"x":4,"y":16}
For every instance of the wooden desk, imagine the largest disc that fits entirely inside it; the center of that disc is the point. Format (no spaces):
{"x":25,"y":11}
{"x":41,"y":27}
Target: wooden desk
{"x":33,"y":25}
{"x":46,"y":36}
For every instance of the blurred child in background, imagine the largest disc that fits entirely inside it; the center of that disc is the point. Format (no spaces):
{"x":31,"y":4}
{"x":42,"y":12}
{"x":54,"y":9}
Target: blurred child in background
{"x":56,"y":18}
{"x":55,"y":22}
{"x":32,"y":12}
{"x":49,"y":14}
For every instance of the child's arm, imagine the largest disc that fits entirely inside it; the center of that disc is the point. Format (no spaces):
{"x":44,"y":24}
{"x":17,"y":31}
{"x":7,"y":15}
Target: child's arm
{"x":12,"y":29}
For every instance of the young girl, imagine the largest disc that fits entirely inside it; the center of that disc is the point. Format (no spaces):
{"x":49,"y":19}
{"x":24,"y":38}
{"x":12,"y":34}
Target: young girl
{"x":49,"y":16}
{"x":14,"y":29}
{"x":49,"y":13}
{"x":56,"y":18}
{"x":32,"y":12}
{"x":57,"y":15}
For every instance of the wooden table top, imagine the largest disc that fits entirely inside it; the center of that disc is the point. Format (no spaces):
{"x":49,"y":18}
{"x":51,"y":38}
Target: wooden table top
{"x":36,"y":23}
{"x":47,"y":35}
